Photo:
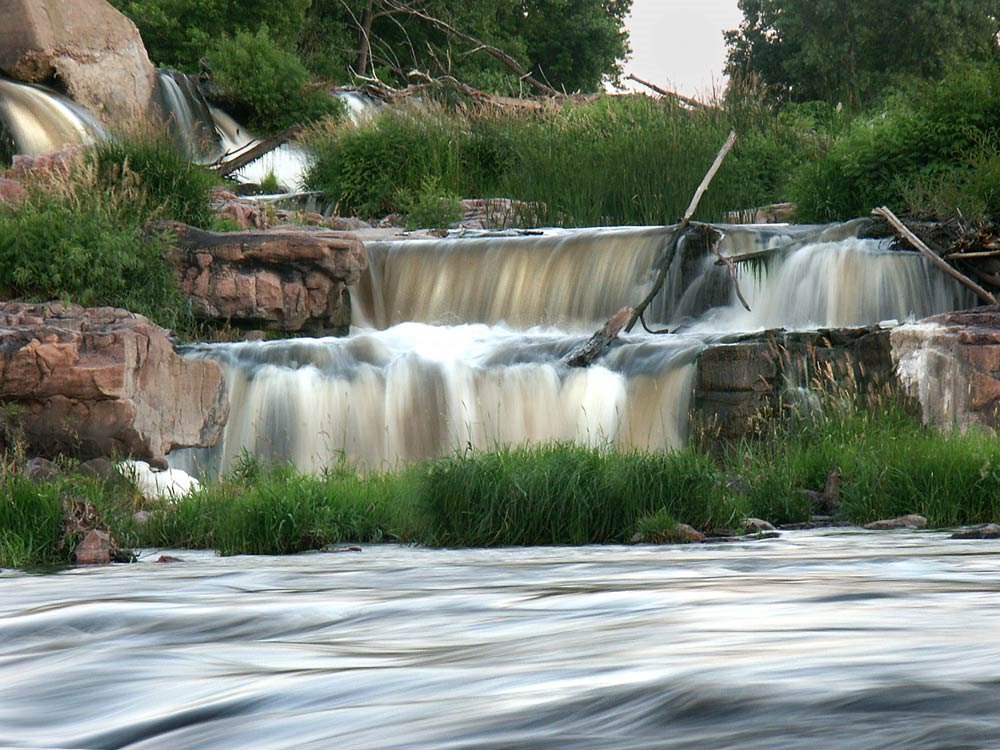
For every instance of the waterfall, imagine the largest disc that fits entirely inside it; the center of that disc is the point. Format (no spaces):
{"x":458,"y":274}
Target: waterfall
{"x":459,"y":341}
{"x":38,"y":121}
{"x":189,"y":116}
{"x":287,"y":163}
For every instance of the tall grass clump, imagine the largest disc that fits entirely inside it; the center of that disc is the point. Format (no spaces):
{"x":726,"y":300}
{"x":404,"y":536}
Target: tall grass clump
{"x":890,"y":465}
{"x":30,"y":523}
{"x":564,"y":494}
{"x":277,"y":511}
{"x":924,"y":135}
{"x":617,"y":161}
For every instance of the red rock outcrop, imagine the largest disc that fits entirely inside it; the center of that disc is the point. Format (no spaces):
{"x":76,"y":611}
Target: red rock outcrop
{"x":950,"y":363}
{"x":102,"y":381}
{"x":289,"y":280}
{"x":93,"y":51}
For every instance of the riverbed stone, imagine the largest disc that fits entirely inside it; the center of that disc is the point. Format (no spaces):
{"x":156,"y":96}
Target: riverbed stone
{"x":100,"y":382}
{"x":988,"y":531}
{"x":86,"y":48}
{"x":96,"y":548}
{"x":910,"y":521}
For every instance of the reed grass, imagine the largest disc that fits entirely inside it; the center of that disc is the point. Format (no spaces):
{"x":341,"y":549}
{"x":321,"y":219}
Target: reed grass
{"x":619,"y":161}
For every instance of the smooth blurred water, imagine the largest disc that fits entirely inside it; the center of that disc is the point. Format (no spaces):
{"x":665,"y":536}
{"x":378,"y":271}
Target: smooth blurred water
{"x":837,"y":639}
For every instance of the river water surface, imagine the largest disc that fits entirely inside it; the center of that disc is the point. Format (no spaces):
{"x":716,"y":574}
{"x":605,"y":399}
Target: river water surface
{"x":835,"y":639}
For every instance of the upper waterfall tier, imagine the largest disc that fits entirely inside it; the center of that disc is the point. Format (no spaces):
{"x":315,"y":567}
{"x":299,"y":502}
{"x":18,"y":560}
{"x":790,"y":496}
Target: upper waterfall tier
{"x":808,"y":277}
{"x":39,"y":121}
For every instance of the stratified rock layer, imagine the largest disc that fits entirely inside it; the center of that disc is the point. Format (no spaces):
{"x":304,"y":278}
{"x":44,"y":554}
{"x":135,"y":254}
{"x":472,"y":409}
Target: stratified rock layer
{"x":85,"y":47}
{"x":102,"y":381}
{"x":285,"y":280}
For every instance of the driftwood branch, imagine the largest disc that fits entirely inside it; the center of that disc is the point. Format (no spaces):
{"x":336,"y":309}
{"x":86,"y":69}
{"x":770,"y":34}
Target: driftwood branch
{"x":933,"y":257}
{"x":679,"y":231}
{"x":732,"y":274}
{"x":226,"y":167}
{"x":600,"y":342}
{"x":671,"y":94}
{"x":627,"y":317}
{"x":748,"y":257}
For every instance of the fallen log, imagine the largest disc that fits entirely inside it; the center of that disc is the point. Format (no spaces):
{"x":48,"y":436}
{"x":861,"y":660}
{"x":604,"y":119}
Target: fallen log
{"x":596,"y":346}
{"x":671,"y":94}
{"x":933,"y":257}
{"x":226,"y":167}
{"x":679,"y":232}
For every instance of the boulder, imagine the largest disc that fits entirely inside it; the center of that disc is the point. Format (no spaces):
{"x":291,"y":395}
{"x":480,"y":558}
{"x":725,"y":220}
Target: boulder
{"x":97,"y":548}
{"x":950,"y":363}
{"x":12,"y":191}
{"x":101,"y":381}
{"x":288,"y":280}
{"x":85,"y":47}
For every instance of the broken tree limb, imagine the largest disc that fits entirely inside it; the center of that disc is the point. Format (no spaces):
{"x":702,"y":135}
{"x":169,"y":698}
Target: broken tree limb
{"x":509,"y":62}
{"x":671,"y":94}
{"x":596,"y":346}
{"x":747,"y":257}
{"x":732,"y":275}
{"x":252,"y":154}
{"x":679,"y":231}
{"x":933,"y":257}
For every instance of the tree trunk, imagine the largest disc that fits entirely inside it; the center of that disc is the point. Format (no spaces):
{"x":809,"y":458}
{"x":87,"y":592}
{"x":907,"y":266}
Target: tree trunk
{"x":365,"y":39}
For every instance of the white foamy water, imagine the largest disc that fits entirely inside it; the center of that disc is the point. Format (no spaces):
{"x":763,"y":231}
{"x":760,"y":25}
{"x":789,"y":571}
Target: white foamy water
{"x":43,"y":122}
{"x":458,"y":364}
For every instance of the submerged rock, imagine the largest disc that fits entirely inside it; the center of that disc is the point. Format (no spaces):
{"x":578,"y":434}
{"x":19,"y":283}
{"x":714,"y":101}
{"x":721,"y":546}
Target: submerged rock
{"x":911,"y":521}
{"x":988,"y":531}
{"x":97,"y":382}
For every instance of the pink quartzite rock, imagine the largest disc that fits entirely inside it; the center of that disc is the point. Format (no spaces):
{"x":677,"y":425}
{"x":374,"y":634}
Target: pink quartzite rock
{"x":102,"y":382}
{"x":94,"y":52}
{"x":288,"y":280}
{"x":11,"y":191}
{"x":95,"y":549}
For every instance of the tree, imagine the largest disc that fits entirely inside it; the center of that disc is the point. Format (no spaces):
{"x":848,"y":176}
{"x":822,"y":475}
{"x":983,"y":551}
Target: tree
{"x":850,"y":50}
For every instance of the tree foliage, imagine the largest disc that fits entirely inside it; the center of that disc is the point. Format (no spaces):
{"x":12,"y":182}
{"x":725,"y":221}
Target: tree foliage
{"x":571,"y":44}
{"x":850,"y":50}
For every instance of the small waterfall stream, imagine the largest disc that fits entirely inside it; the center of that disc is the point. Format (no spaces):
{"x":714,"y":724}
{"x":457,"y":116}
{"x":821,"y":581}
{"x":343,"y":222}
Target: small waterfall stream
{"x":459,"y":341}
{"x":38,"y":121}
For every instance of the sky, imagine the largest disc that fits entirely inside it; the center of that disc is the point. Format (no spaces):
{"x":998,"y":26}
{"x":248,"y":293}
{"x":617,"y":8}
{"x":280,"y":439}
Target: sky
{"x":678,"y":44}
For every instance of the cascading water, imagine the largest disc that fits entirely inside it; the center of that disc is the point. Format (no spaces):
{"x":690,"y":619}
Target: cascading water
{"x":447,"y":356}
{"x":189,"y":116}
{"x":39,"y":121}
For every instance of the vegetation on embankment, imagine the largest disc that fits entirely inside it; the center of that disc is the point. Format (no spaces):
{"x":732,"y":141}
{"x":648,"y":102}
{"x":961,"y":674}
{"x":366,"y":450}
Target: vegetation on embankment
{"x":615,"y":161}
{"x":553,"y":494}
{"x":82,"y":236}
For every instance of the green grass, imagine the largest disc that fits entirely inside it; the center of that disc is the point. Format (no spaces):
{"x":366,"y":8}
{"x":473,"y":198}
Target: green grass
{"x":543,"y":495}
{"x":83,"y":237}
{"x":621,"y":160}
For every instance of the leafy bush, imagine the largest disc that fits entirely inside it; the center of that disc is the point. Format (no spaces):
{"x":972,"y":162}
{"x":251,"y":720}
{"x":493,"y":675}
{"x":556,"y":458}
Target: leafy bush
{"x":265,"y":83}
{"x":83,"y":237}
{"x":432,"y":207}
{"x":922,"y":132}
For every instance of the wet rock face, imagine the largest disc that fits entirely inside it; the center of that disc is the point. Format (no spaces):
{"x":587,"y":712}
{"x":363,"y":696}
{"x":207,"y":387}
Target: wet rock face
{"x":86,"y":46}
{"x":288,"y":280}
{"x":741,"y":380}
{"x":950,"y":363}
{"x":93,"y":382}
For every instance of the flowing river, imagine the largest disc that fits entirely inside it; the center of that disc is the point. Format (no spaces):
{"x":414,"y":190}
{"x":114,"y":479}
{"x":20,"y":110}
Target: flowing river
{"x":820,"y":639}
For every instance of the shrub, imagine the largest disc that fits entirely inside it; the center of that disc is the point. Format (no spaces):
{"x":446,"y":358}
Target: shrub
{"x":432,"y":207}
{"x":265,"y":83}
{"x":921,"y":133}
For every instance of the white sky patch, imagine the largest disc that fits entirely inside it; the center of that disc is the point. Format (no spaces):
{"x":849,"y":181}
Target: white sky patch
{"x":678,"y":44}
